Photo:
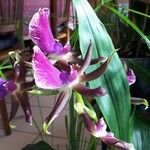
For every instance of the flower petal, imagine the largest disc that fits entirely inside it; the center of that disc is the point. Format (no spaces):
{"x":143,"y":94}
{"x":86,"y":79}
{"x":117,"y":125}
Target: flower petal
{"x":60,"y":50}
{"x":109,"y":139}
{"x":139,"y":101}
{"x":100,"y":128}
{"x":10,"y":86}
{"x":40,"y":32}
{"x":89,"y":92}
{"x":25,"y":104}
{"x":3,"y":91}
{"x":131,"y":76}
{"x":94,"y":74}
{"x":58,"y":47}
{"x":66,"y":47}
{"x":45,"y":74}
{"x":68,"y":77}
{"x":6,"y":87}
{"x":14,"y":106}
{"x":87,"y":60}
{"x":57,"y":109}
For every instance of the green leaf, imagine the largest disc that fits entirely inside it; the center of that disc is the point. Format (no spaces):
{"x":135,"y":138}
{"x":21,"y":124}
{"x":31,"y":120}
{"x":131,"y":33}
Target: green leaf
{"x":72,"y":123}
{"x":42,"y":145}
{"x":116,"y":105}
{"x":92,"y":143}
{"x":133,"y":11}
{"x":128,"y":21}
{"x":141,"y":131}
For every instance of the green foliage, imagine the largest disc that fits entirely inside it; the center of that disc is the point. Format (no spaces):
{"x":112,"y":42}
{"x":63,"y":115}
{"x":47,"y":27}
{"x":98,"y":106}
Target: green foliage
{"x":38,"y":146}
{"x":141,"y":131}
{"x":115,"y":106}
{"x":129,"y":22}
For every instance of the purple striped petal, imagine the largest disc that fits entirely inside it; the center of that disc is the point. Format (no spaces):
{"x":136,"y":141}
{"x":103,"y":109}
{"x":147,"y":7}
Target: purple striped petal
{"x":131,"y":76}
{"x":40,"y":32}
{"x":3,"y":91}
{"x":45,"y":74}
{"x":6,"y":87}
{"x":57,"y":109}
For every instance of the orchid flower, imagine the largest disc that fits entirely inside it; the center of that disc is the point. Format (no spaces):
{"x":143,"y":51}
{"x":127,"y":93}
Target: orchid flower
{"x":20,"y":95}
{"x":131,"y":76}
{"x":98,"y":128}
{"x":134,"y":100}
{"x":66,"y":78}
{"x":6,"y":87}
{"x":41,"y":34}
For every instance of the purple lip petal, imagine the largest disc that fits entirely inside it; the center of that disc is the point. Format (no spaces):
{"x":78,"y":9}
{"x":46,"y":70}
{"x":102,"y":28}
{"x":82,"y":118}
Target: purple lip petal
{"x":6,"y":87}
{"x":100,"y":130}
{"x":89,"y":92}
{"x":10,"y":86}
{"x":67,"y":47}
{"x":45,"y":74}
{"x":87,"y":60}
{"x":131,"y":76}
{"x":14,"y":107}
{"x":57,"y":109}
{"x":109,"y":139}
{"x":40,"y":32}
{"x":68,"y":77}
{"x":95,"y":74}
{"x":58,"y":47}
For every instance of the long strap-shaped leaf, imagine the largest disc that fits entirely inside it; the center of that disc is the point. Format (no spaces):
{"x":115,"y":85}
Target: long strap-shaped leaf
{"x":116,"y":105}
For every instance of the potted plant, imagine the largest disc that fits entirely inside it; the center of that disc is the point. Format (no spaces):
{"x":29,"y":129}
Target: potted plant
{"x":98,"y":74}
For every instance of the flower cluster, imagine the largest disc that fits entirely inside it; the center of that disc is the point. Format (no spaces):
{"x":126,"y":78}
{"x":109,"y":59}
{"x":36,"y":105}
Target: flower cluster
{"x":61,"y":74}
{"x":53,"y":69}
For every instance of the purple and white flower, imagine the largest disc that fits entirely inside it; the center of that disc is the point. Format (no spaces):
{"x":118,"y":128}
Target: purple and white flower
{"x":41,"y":34}
{"x":6,"y":87}
{"x":65,"y":77}
{"x":98,"y":128}
{"x":131,"y":76}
